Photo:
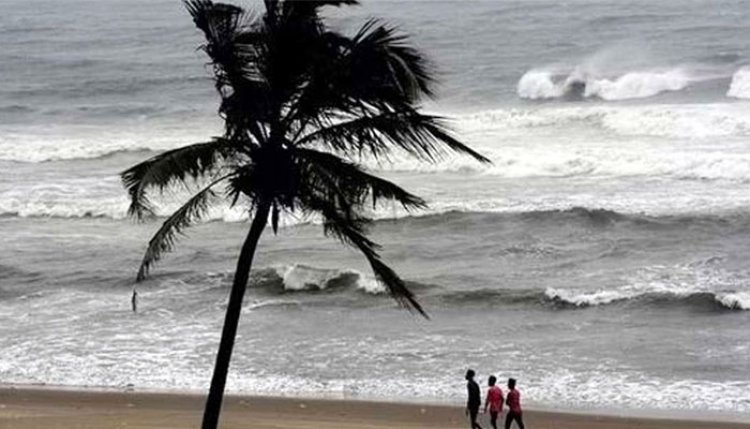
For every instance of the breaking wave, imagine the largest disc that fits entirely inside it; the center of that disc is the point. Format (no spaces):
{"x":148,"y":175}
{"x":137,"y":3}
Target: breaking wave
{"x":568,"y":298}
{"x":650,"y":289}
{"x":699,"y":284}
{"x":740,"y":86}
{"x":725,"y":300}
{"x":300,"y":277}
{"x":540,"y":84}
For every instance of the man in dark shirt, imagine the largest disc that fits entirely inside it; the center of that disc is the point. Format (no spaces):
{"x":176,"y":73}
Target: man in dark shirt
{"x":475,"y":399}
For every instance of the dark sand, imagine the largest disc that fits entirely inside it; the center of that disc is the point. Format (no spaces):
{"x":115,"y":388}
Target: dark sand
{"x":42,"y":408}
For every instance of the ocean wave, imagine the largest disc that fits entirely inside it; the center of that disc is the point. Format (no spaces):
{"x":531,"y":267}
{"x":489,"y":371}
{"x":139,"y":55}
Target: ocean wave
{"x":79,"y":144}
{"x":740,"y":86}
{"x":296,"y":278}
{"x":300,"y":277}
{"x":11,"y":275}
{"x":653,"y":296}
{"x":101,"y":86}
{"x":589,"y":217}
{"x":294,"y":284}
{"x":595,"y":216}
{"x":541,"y":84}
{"x":724,"y":301}
{"x":650,"y":289}
{"x":45,"y":143}
{"x":665,"y":162}
{"x":16,"y":108}
{"x":734,"y":300}
{"x":104,"y":198}
{"x":683,"y":121}
{"x":560,"y":298}
{"x":494,"y":133}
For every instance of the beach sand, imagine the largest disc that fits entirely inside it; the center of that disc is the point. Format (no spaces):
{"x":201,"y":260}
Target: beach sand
{"x":31,"y":408}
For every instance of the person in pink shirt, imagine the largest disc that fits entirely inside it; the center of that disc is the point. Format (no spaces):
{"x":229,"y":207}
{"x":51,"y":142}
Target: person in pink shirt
{"x":513,"y":399}
{"x":494,"y":401}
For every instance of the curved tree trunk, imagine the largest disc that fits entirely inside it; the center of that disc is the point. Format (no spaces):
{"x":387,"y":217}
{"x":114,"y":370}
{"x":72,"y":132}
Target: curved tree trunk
{"x":232,"y":318}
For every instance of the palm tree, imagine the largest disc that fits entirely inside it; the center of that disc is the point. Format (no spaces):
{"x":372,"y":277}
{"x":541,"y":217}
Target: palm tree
{"x":302,"y":104}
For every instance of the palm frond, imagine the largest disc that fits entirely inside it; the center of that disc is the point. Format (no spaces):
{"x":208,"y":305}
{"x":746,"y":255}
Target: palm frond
{"x":388,"y":50}
{"x":177,"y":165}
{"x":352,"y":183}
{"x":352,"y":232}
{"x":376,"y":69}
{"x":423,"y":136}
{"x":165,"y":238}
{"x":234,"y":42}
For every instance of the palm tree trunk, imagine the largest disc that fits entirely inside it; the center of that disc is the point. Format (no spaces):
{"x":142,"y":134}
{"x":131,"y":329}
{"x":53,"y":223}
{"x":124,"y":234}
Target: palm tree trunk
{"x":232,"y":318}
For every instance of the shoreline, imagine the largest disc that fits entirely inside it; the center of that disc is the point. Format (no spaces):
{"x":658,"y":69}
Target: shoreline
{"x":31,"y":407}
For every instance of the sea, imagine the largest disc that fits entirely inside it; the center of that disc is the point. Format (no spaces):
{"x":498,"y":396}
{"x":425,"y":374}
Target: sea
{"x":601,"y":259}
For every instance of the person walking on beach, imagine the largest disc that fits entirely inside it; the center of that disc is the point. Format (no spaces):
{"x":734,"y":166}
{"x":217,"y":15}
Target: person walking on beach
{"x":494,"y":401}
{"x":514,"y":404}
{"x":474,"y":400}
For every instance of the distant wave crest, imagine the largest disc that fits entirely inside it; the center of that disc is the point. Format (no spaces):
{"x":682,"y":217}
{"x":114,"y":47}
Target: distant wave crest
{"x":568,"y":298}
{"x":540,"y":84}
{"x":726,"y":300}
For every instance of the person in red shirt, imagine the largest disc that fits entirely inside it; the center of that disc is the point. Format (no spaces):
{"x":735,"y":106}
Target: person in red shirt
{"x":513,"y":399}
{"x":494,"y":401}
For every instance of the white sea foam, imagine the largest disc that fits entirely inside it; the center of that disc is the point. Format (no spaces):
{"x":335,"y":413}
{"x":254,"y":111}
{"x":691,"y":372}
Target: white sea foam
{"x":91,"y":197}
{"x":57,"y":142}
{"x":628,"y":390}
{"x":78,"y":338}
{"x":672,"y":144}
{"x":735,"y":300}
{"x":83,"y":200}
{"x":740,"y":86}
{"x":497,"y":134}
{"x":50,"y":146}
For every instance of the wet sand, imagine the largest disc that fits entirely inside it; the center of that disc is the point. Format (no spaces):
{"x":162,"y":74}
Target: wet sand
{"x":45,"y":408}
